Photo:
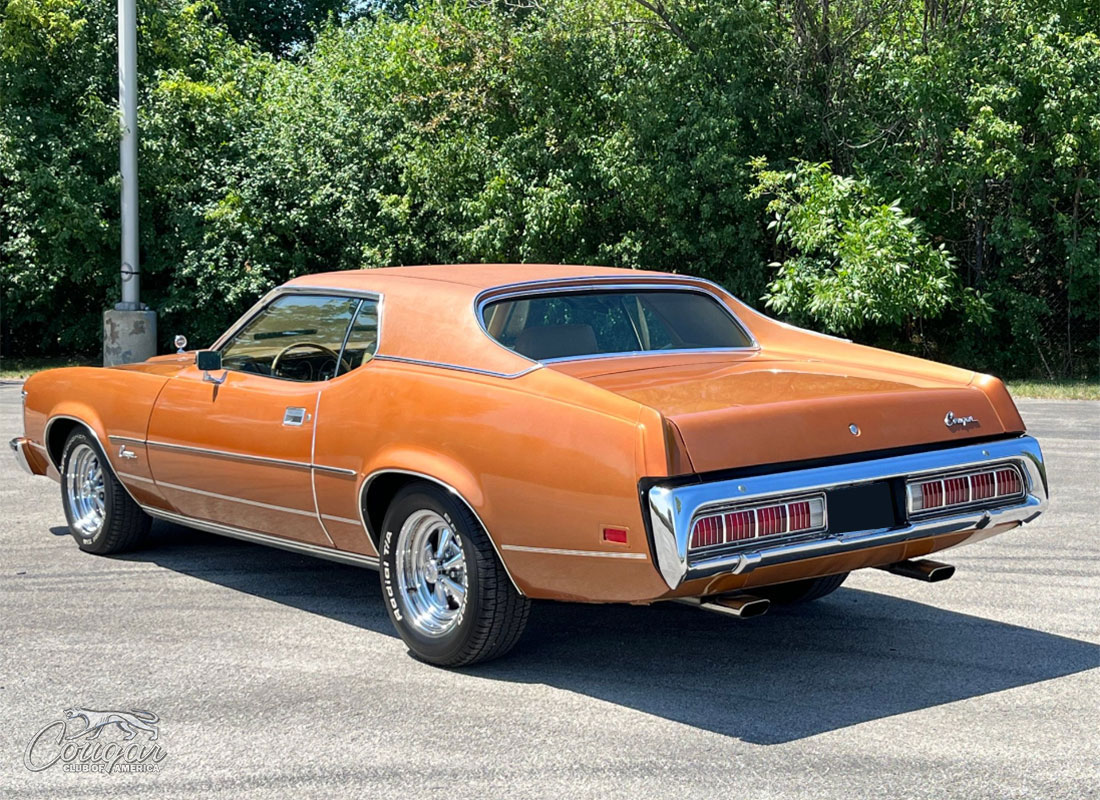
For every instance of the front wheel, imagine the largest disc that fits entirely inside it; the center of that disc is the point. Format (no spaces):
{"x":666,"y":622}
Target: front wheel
{"x":102,"y":517}
{"x":445,"y":589}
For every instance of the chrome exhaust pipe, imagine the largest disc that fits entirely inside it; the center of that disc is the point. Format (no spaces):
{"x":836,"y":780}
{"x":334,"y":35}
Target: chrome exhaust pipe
{"x":742,"y":606}
{"x":927,"y":571}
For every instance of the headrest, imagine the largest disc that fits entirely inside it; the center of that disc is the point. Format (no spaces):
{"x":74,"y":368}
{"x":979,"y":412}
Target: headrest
{"x":556,"y":341}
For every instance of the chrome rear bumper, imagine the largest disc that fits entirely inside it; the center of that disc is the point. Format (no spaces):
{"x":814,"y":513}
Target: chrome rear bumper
{"x":672,"y":509}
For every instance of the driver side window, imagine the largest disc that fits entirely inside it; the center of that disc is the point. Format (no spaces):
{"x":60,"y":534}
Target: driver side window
{"x":296,"y":337}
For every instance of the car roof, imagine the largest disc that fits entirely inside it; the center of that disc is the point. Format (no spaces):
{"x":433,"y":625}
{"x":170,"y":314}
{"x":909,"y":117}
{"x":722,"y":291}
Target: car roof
{"x":476,"y":276}
{"x":428,"y":312}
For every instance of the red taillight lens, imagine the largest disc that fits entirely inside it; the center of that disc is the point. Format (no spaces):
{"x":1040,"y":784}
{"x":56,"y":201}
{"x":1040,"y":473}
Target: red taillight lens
{"x":752,"y":522}
{"x":931,"y":493}
{"x":740,"y":525}
{"x":1008,"y":482}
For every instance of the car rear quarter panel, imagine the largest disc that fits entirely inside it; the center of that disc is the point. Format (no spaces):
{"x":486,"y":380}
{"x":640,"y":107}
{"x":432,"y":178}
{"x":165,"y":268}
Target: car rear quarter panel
{"x":110,"y":402}
{"x":544,"y":460}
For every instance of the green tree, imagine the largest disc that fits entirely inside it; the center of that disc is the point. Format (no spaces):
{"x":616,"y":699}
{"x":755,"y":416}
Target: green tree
{"x":853,"y":259}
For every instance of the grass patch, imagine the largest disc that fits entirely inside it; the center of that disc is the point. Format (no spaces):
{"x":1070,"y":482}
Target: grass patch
{"x":16,"y":368}
{"x":1056,"y":390}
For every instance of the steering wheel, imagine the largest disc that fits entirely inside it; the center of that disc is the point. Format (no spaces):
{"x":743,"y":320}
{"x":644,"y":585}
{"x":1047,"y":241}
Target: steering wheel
{"x":335,"y":357}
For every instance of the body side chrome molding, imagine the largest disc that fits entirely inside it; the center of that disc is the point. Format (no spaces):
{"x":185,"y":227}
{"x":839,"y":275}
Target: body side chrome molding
{"x":555,"y":551}
{"x":255,"y":537}
{"x":673,"y":509}
{"x":209,"y":451}
{"x":241,"y":500}
{"x":363,"y":517}
{"x":345,"y":520}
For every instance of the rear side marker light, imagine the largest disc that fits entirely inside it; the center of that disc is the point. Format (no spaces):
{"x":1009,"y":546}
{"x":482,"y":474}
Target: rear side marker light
{"x":616,"y":535}
{"x":930,"y":493}
{"x":771,"y":518}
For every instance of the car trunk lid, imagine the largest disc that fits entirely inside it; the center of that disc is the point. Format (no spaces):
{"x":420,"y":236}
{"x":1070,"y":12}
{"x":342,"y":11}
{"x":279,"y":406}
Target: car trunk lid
{"x":739,"y":412}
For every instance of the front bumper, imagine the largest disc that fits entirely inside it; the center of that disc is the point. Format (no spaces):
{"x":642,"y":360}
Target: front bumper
{"x":673,"y":509}
{"x":19,"y":446}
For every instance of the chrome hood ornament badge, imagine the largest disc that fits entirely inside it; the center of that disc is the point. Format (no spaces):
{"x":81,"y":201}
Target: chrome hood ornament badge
{"x":951,"y":420}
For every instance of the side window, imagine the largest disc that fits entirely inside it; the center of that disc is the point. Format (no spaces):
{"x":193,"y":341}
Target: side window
{"x":296,"y":337}
{"x":362,"y":342}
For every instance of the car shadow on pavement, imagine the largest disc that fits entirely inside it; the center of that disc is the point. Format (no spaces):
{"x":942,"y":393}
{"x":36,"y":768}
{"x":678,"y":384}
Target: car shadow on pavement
{"x":853,"y":657}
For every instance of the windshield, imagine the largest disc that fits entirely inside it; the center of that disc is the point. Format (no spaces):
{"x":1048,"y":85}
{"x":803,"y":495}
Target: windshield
{"x":573,"y":324}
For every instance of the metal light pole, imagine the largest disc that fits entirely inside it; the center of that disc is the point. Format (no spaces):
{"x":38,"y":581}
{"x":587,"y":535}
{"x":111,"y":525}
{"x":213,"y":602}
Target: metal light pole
{"x":130,"y":329}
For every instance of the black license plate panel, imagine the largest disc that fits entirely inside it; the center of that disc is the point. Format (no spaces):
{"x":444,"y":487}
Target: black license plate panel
{"x":866,"y":507}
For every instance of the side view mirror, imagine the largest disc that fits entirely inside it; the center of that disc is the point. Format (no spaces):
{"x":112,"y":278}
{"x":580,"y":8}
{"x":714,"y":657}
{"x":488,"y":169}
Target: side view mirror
{"x":210,"y":361}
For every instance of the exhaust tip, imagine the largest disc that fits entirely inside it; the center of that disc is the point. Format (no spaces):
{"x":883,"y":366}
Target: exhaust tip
{"x":926,"y":570}
{"x":940,"y":572}
{"x":742,"y":606}
{"x":755,"y":607}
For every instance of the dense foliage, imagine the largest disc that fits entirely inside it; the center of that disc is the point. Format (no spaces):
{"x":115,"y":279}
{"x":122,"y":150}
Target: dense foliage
{"x":920,"y":175}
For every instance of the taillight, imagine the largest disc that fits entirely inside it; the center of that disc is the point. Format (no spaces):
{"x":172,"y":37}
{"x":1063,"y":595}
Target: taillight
{"x":770,"y":518}
{"x":929,"y":493}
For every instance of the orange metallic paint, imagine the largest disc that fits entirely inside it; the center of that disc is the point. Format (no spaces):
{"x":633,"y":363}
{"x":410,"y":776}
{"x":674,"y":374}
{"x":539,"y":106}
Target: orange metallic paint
{"x":546,"y":456}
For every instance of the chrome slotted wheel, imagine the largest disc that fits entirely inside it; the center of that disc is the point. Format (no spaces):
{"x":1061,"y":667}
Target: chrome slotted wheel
{"x":431,"y":572}
{"x":86,"y":492}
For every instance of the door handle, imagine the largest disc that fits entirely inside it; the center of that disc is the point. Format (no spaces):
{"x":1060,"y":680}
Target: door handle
{"x":295,"y":415}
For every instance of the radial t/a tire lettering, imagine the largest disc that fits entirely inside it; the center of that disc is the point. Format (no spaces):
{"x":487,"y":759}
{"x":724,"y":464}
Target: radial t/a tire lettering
{"x":443,"y":585}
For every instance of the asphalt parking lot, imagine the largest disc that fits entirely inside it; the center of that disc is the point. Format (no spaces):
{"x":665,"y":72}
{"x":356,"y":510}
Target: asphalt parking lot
{"x":275,"y":675}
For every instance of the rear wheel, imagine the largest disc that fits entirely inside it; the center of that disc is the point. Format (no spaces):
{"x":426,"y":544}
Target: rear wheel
{"x":803,"y":591}
{"x":445,"y":589}
{"x":102,"y":516}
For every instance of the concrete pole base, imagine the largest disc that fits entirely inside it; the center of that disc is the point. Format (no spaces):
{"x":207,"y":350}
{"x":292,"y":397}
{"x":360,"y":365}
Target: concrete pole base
{"x":128,"y":336}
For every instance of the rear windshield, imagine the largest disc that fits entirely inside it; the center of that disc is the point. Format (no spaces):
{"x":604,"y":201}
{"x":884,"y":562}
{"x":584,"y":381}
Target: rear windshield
{"x":589,"y":323}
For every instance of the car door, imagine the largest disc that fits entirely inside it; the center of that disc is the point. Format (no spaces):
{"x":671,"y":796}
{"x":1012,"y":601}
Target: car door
{"x":240,"y":452}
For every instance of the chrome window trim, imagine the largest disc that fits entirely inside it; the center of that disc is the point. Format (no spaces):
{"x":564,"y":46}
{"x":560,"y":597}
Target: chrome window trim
{"x":457,"y":367}
{"x":344,"y":343}
{"x":255,"y":537}
{"x":395,"y":470}
{"x":323,"y":291}
{"x":672,"y":508}
{"x":600,"y":283}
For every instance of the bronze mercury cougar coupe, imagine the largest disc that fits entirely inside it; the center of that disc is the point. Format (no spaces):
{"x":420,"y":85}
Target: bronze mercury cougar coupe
{"x":485,"y":435}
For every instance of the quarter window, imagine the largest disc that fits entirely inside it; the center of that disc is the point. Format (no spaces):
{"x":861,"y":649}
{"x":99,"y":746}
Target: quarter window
{"x":362,"y":341}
